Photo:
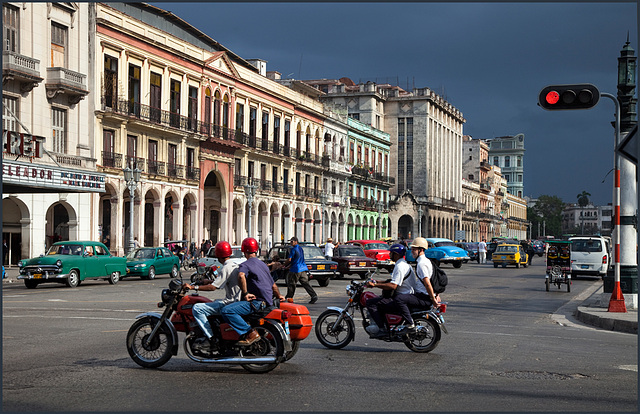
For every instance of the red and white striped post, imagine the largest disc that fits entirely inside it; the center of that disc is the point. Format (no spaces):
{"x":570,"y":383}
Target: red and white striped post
{"x":616,"y":303}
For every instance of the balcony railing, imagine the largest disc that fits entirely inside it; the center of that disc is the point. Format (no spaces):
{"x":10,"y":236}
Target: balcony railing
{"x":151,"y":167}
{"x":22,"y":68}
{"x":155,"y":167}
{"x":69,"y":82}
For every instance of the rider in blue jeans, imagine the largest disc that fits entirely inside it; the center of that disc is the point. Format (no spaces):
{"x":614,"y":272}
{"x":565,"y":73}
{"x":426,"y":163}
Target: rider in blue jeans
{"x":257,"y":290}
{"x":227,"y":279}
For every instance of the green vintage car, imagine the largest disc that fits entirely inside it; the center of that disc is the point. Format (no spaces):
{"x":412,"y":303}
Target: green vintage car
{"x":147,"y":262}
{"x":71,"y":262}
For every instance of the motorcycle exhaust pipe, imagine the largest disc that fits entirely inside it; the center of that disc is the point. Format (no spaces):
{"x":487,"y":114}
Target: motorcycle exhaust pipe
{"x":235,"y":360}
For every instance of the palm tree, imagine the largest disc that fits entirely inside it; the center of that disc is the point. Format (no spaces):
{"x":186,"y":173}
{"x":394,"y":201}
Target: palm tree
{"x":583,"y":201}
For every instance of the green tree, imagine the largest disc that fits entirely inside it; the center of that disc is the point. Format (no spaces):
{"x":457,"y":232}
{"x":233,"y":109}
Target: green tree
{"x":548,"y":212}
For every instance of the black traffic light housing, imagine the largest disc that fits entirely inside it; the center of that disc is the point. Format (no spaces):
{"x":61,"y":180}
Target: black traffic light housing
{"x":578,"y":96}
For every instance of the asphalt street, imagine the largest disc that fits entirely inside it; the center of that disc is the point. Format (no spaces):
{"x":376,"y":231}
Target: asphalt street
{"x":511,"y":347}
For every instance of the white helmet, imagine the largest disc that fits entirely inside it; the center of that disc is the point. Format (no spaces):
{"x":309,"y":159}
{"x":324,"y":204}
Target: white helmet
{"x":420,"y":242}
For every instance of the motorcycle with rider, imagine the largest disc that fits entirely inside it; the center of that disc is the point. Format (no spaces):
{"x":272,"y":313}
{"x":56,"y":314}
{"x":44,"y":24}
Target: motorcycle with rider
{"x":153,"y":338}
{"x":419,"y":325}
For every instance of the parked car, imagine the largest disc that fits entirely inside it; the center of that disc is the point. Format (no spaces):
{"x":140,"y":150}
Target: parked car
{"x":538,"y":247}
{"x":352,"y":260}
{"x":147,"y":262}
{"x":445,"y":251}
{"x":71,"y":262}
{"x":589,"y":256}
{"x":510,"y":254}
{"x":378,"y":250}
{"x":320,"y":268}
{"x":210,"y":258}
{"x":472,"y":250}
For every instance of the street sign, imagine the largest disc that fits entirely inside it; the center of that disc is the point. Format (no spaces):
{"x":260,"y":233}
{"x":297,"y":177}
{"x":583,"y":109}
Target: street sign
{"x":628,"y":148}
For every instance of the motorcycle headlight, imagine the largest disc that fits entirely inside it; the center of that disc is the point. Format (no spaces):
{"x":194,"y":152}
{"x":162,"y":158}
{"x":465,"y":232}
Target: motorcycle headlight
{"x":165,"y":296}
{"x":175,"y":285}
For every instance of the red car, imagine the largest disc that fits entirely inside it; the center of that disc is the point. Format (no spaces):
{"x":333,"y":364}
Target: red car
{"x":377,"y":250}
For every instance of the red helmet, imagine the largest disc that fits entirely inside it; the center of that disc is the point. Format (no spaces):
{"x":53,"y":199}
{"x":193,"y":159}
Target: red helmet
{"x":223,"y":250}
{"x":249,"y":245}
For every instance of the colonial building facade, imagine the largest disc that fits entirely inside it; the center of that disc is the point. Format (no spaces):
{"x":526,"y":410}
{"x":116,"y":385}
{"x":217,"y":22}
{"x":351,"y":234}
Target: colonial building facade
{"x":49,"y":169}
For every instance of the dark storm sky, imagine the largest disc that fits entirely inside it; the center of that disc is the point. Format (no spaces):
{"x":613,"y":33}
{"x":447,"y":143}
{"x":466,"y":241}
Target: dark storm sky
{"x":489,"y":60}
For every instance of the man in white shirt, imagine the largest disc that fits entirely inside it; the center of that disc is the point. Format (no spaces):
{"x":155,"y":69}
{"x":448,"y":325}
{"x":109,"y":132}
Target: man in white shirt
{"x":328,"y":249}
{"x":423,"y":295}
{"x":380,"y":305}
{"x":482,"y":251}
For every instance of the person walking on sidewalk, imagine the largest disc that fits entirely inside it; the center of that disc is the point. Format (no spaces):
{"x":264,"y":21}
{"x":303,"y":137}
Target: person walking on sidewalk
{"x":298,"y":271}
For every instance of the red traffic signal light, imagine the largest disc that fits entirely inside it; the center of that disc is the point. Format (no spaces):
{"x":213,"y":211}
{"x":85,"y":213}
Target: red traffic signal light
{"x":579,"y":96}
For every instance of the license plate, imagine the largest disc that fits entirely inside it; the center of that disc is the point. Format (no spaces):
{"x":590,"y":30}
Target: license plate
{"x":286,"y":327}
{"x":584,"y":267}
{"x":362,"y":264}
{"x":37,"y":275}
{"x":320,"y":267}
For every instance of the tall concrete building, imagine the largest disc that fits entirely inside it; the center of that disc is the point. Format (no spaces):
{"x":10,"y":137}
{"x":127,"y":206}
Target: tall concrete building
{"x":508,"y":153}
{"x":426,"y":157}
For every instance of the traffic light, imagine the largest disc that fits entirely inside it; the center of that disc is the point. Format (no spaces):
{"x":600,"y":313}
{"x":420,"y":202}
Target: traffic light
{"x":580,"y":96}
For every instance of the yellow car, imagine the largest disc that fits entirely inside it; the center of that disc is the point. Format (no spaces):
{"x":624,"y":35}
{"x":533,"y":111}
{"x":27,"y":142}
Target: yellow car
{"x":510,"y":254}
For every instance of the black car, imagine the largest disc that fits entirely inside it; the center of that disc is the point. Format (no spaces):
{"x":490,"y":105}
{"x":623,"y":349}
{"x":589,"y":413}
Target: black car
{"x":320,"y":268}
{"x":472,"y":250}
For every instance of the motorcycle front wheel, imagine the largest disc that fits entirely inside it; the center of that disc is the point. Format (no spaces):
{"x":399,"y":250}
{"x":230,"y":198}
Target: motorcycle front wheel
{"x":154,"y":354}
{"x":331,"y":335}
{"x":426,"y":337}
{"x":269,"y":344}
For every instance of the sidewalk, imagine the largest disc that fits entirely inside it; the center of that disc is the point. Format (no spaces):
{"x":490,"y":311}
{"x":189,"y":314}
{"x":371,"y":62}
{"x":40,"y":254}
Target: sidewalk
{"x":592,"y":311}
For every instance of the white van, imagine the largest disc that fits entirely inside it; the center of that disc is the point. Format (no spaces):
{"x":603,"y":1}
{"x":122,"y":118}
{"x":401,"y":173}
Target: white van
{"x":590,"y":255}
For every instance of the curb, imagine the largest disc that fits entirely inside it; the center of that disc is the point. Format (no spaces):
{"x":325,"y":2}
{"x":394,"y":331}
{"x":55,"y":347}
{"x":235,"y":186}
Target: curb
{"x":611,"y":324}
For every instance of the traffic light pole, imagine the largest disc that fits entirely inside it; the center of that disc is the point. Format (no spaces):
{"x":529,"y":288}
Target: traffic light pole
{"x":616,"y":303}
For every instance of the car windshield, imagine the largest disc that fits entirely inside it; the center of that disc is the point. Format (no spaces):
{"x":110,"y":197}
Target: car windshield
{"x":376,"y":246}
{"x":312,"y":252}
{"x":471,"y":246}
{"x":589,"y":246}
{"x":507,"y":249}
{"x":351,"y":251}
{"x":444,"y":243}
{"x":66,"y":249}
{"x":236,"y":253}
{"x":142,"y":254}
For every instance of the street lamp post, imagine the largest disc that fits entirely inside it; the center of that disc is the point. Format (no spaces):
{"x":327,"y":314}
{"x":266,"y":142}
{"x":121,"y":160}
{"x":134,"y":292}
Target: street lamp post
{"x":250,"y":192}
{"x":132,"y":178}
{"x":419,"y":220}
{"x":323,"y":202}
{"x":380,"y":206}
{"x":455,"y":227}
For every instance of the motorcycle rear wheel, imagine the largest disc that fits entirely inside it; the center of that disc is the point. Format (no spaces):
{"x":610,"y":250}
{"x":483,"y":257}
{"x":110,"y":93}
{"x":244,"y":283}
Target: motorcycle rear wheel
{"x":426,"y":337}
{"x":295,"y":345}
{"x":334,"y":337}
{"x":269,"y":344}
{"x":157,"y":352}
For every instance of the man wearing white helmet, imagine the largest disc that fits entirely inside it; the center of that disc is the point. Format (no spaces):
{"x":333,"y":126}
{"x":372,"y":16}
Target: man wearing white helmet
{"x":423,"y":295}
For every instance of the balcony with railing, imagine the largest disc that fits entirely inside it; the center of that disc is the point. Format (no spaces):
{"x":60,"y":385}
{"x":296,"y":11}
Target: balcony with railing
{"x":151,"y":167}
{"x":21,"y":68}
{"x":66,"y":81}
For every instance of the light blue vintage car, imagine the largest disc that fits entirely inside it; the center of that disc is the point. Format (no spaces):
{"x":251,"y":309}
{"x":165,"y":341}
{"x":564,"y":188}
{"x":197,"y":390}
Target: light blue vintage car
{"x":446,"y":251}
{"x":71,"y":262}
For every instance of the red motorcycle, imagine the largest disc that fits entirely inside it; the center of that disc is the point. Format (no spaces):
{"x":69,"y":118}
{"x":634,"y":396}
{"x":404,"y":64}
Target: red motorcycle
{"x":335,"y":327}
{"x":153,"y":338}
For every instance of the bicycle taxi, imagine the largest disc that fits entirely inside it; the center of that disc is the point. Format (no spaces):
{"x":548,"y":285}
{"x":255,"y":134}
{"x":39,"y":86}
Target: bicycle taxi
{"x":558,"y":264}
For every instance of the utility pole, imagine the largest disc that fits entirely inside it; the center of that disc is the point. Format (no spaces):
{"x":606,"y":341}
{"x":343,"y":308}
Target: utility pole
{"x":626,"y":277}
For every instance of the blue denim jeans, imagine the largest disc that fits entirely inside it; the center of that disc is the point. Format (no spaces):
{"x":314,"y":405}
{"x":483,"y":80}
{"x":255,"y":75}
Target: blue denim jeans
{"x":233,"y":313}
{"x":202,"y":310}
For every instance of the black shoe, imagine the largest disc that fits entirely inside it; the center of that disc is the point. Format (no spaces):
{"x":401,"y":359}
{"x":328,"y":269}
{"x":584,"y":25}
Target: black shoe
{"x":313,"y":300}
{"x":202,"y":344}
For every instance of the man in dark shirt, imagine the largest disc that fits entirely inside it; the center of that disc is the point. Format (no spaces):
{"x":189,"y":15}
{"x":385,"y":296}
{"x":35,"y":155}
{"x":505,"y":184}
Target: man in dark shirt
{"x":257,"y":289}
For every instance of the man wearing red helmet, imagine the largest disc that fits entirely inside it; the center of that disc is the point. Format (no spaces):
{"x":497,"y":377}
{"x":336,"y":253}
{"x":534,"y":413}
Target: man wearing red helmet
{"x":257,"y":290}
{"x":227,"y":279}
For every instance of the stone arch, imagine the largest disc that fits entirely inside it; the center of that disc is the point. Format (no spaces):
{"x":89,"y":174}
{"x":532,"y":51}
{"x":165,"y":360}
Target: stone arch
{"x":16,"y":223}
{"x":61,"y":223}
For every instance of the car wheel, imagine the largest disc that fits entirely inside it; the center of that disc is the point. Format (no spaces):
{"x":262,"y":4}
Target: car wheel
{"x":152,"y":273}
{"x":517,"y":265}
{"x":457,"y":265}
{"x":174,"y":271}
{"x":114,"y":278}
{"x":30,"y":284}
{"x":495,"y":265}
{"x":323,"y":282}
{"x":74,"y":278}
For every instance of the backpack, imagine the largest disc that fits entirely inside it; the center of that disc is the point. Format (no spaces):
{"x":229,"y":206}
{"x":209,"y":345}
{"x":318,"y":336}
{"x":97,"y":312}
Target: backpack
{"x":438,"y":279}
